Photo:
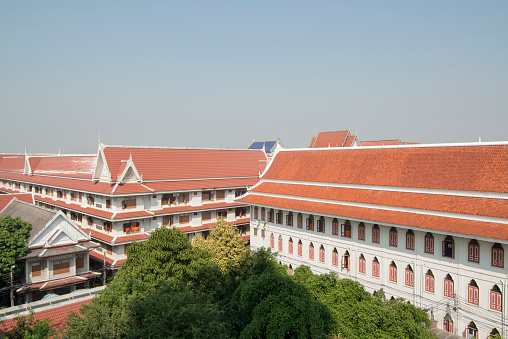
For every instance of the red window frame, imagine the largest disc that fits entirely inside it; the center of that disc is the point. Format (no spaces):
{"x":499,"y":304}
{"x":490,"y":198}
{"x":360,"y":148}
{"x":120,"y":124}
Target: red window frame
{"x":345,"y":230}
{"x":299,"y":221}
{"x":473,"y":253}
{"x":429,"y":245}
{"x":310,"y":223}
{"x":409,"y":278}
{"x":289,"y":219}
{"x":361,"y":232}
{"x":299,"y":249}
{"x":263,"y":214}
{"x":496,"y":301}
{"x":375,"y":235}
{"x":290,"y":271}
{"x":320,"y":225}
{"x":290,"y":246}
{"x":279,"y":244}
{"x":278,"y":217}
{"x":394,"y":241}
{"x":410,"y":241}
{"x":311,"y":252}
{"x":375,"y":269}
{"x":272,"y":242}
{"x":392,"y":274}
{"x":448,"y":288}
{"x":335,"y":227}
{"x":335,"y":258}
{"x":346,"y":262}
{"x":497,"y":257}
{"x":361,"y":266}
{"x":321,"y":254}
{"x":270,"y":215}
{"x":256,"y":213}
{"x":429,"y":283}
{"x":448,"y":325}
{"x":472,"y":295}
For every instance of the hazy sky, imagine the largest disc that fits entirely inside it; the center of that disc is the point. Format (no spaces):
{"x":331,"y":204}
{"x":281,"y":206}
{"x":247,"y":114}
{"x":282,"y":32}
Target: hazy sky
{"x":220,"y":73}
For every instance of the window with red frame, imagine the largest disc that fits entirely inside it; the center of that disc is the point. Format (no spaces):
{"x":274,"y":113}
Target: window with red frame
{"x":448,"y":323}
{"x":410,"y":240}
{"x":473,"y":251}
{"x":299,"y":220}
{"x":472,"y":293}
{"x":256,"y":213}
{"x":263,"y":214}
{"x":429,"y":243}
{"x":361,"y":264}
{"x":496,"y":299}
{"x":375,"y":234}
{"x":310,"y":223}
{"x":392,"y":273}
{"x":321,"y":254}
{"x":375,"y":268}
{"x":361,"y":231}
{"x":346,"y":229}
{"x":409,"y":276}
{"x":448,"y":286}
{"x":270,"y":215}
{"x":272,"y":241}
{"x":279,"y":243}
{"x":346,"y":261}
{"x":497,"y":256}
{"x":300,"y":248}
{"x":321,"y":225}
{"x":278,"y":218}
{"x":311,"y":251}
{"x":335,"y":227}
{"x":449,"y":247}
{"x":471,"y":330}
{"x":290,"y":246}
{"x":290,"y":270}
{"x":394,"y":241}
{"x":289,"y":219}
{"x":335,"y":257}
{"x":429,"y":282}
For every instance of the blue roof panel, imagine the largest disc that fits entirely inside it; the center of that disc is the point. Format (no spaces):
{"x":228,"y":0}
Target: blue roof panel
{"x":261,"y":145}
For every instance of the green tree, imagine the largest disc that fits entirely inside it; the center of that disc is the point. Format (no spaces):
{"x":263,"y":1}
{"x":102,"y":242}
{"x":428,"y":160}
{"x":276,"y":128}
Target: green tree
{"x":13,"y":241}
{"x":226,"y":245}
{"x":27,"y":328}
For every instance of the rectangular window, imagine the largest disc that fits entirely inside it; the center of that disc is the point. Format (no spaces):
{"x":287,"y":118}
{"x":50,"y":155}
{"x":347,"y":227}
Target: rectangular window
{"x":311,"y":252}
{"x":375,"y":269}
{"x":290,"y":247}
{"x":321,"y":225}
{"x":129,"y":203}
{"x":393,"y":238}
{"x":346,"y":230}
{"x":321,"y":255}
{"x":183,"y":198}
{"x":346,"y":262}
{"x":300,"y":249}
{"x":375,"y":235}
{"x":289,"y":219}
{"x":206,"y":216}
{"x":448,"y":248}
{"x":495,"y":301}
{"x":220,"y":195}
{"x":108,"y":226}
{"x":335,"y":227}
{"x":184,"y":219}
{"x":167,"y":220}
{"x":279,"y":244}
{"x":108,"y":203}
{"x":255,"y":232}
{"x":272,"y":242}
{"x":497,"y":257}
{"x":278,"y":218}
{"x":256,"y":213}
{"x":429,"y":283}
{"x":410,"y":241}
{"x":270,"y":216}
{"x":409,"y":276}
{"x":361,"y":266}
{"x":335,"y":258}
{"x":472,"y":295}
{"x":131,"y":227}
{"x":299,"y":221}
{"x":392,"y":274}
{"x":310,"y":223}
{"x":36,"y":269}
{"x":361,"y":232}
{"x":61,"y":268}
{"x":429,"y":244}
{"x":473,"y":253}
{"x":263,"y":216}
{"x":80,"y":261}
{"x":207,"y":196}
{"x":448,"y":288}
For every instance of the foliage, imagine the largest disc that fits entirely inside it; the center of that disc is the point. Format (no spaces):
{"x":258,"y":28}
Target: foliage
{"x":13,"y":239}
{"x":226,"y":245}
{"x":27,"y":328}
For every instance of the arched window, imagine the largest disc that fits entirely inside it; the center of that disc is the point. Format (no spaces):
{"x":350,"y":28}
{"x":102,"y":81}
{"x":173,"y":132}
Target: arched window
{"x":448,"y":323}
{"x":346,"y":229}
{"x":335,"y":227}
{"x":493,"y":333}
{"x":394,"y":241}
{"x":471,"y":330}
{"x":310,"y":223}
{"x":300,"y":248}
{"x":299,"y":220}
{"x":429,"y":243}
{"x":335,"y":257}
{"x":346,"y":260}
{"x":311,"y":251}
{"x":496,"y":303}
{"x":473,"y":251}
{"x":449,"y":247}
{"x":497,"y":256}
{"x":256,"y":213}
{"x":279,"y":243}
{"x":429,"y":282}
{"x":410,"y":240}
{"x":272,"y":241}
{"x":321,"y":254}
{"x":278,"y":217}
{"x":409,"y":276}
{"x":472,"y":293}
{"x":290,"y":245}
{"x":361,"y":231}
{"x":392,"y":273}
{"x":290,"y":270}
{"x":289,"y":219}
{"x":263,"y":214}
{"x":321,"y":225}
{"x":448,"y":286}
{"x":375,"y":268}
{"x":361,"y":264}
{"x":375,"y":234}
{"x":270,"y":215}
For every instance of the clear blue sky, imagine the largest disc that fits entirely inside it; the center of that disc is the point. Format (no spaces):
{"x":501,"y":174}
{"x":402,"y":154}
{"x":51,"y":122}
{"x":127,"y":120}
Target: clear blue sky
{"x":220,"y":73}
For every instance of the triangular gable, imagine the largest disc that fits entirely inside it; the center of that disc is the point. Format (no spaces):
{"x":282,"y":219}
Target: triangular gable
{"x":27,"y":169}
{"x":101,"y":171}
{"x":60,"y":228}
{"x":129,"y":173}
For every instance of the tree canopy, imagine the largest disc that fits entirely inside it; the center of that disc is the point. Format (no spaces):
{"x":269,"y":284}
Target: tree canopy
{"x":14,"y":233}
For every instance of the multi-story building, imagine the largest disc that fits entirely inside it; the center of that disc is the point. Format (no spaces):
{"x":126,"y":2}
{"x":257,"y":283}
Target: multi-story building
{"x":427,"y":223}
{"x":121,"y":194}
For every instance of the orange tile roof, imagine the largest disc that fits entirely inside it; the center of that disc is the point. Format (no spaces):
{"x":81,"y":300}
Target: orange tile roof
{"x":112,"y":263}
{"x":329,"y":139}
{"x":76,"y":207}
{"x":349,"y":141}
{"x":58,"y":314}
{"x":380,"y":142}
{"x":431,"y":202}
{"x":471,"y":168}
{"x":132,"y":214}
{"x":462,"y":226}
{"x":169,"y":163}
{"x":64,"y":165}
{"x":12,"y":163}
{"x":131,"y":237}
{"x":6,"y":198}
{"x":98,"y":235}
{"x":47,"y":285}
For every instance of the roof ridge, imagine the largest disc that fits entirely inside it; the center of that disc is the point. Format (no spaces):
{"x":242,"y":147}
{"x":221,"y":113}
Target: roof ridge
{"x":180,"y":148}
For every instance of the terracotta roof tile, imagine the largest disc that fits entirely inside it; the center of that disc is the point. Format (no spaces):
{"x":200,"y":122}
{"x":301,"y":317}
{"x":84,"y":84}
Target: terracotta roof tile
{"x":64,"y":165}
{"x":77,"y":208}
{"x":380,"y":142}
{"x":330,"y":139}
{"x":13,"y":163}
{"x":6,"y":198}
{"x":132,"y":214}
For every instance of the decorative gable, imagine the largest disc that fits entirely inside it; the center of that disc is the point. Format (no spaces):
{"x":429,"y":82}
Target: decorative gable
{"x":129,"y":173}
{"x":59,"y":230}
{"x":101,"y":171}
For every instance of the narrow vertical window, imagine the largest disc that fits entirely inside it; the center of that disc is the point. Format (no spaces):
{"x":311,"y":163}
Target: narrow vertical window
{"x":375,"y":234}
{"x":335,"y":257}
{"x":272,"y":241}
{"x":429,"y":243}
{"x":310,"y":223}
{"x":346,"y":229}
{"x":473,"y":251}
{"x":321,"y":254}
{"x":289,"y":219}
{"x":346,"y":260}
{"x":496,"y":299}
{"x":290,"y":246}
{"x":321,"y":225}
{"x":279,"y":243}
{"x":448,"y":323}
{"x":361,"y":264}
{"x":410,"y":240}
{"x":299,"y":220}
{"x":449,"y":247}
{"x":429,"y":282}
{"x":290,"y":270}
{"x":256,"y":213}
{"x":497,"y":256}
{"x":300,"y":248}
{"x":361,"y":231}
{"x":392,"y":273}
{"x":270,"y":215}
{"x":448,"y":286}
{"x":409,"y":276}
{"x":311,"y":251}
{"x":263,"y":214}
{"x":375,"y":268}
{"x":335,"y":227}
{"x":393,"y":237}
{"x":472,"y":293}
